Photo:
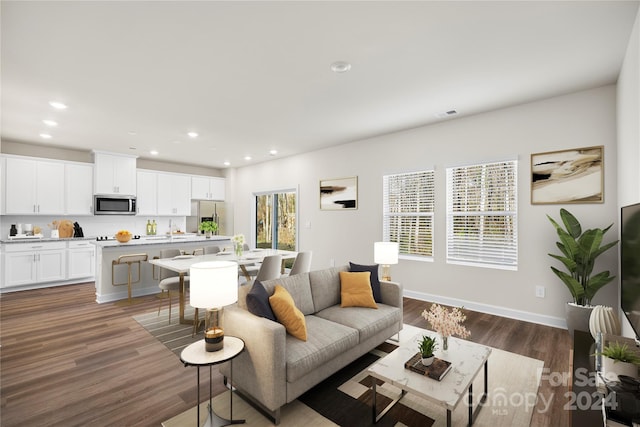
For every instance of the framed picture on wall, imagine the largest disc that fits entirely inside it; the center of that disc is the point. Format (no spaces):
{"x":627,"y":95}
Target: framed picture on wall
{"x":568,"y":176}
{"x":339,"y":193}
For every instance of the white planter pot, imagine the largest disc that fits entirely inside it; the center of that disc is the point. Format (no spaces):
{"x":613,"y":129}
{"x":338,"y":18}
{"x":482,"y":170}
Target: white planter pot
{"x":612,"y":368}
{"x":426,"y":361}
{"x":577,"y":317}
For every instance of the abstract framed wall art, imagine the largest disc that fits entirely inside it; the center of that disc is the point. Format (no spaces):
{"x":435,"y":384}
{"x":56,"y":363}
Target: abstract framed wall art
{"x":339,"y":193}
{"x":568,"y":176}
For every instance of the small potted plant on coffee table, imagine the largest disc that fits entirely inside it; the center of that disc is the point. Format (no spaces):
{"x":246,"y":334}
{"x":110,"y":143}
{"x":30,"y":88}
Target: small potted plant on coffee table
{"x":427,"y":346}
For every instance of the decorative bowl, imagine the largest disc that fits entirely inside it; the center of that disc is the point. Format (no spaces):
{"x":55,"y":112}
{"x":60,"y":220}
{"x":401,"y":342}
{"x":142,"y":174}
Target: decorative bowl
{"x":123,"y":236}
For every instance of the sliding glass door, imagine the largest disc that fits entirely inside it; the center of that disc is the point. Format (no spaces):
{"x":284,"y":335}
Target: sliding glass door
{"x":276,"y":220}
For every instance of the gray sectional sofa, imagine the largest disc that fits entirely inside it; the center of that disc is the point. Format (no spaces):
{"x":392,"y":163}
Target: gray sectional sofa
{"x":275,"y":367}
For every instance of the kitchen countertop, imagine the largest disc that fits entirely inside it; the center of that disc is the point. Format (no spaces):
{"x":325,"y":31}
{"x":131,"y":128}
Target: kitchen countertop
{"x":159,"y":240}
{"x":8,"y":241}
{"x":143,"y":240}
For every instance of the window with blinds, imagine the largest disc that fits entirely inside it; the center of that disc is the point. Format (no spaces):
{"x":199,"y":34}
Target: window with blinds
{"x":482,"y":227}
{"x":408,"y":212}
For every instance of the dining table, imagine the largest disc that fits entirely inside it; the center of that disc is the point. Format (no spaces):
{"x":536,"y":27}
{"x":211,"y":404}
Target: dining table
{"x":182,"y":263}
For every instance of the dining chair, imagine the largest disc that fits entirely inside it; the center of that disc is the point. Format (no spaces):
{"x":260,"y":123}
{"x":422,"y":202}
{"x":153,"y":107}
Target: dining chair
{"x":302,"y":263}
{"x":169,"y":280}
{"x":211,"y":250}
{"x":270,"y":268}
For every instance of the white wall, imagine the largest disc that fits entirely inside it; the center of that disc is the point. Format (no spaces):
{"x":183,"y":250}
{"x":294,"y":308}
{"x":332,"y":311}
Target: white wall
{"x":629,"y":131}
{"x":577,"y":120}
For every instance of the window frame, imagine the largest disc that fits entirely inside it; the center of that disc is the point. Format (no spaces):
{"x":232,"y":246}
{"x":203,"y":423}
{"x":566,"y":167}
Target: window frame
{"x":485,"y":250}
{"x":422,"y":215}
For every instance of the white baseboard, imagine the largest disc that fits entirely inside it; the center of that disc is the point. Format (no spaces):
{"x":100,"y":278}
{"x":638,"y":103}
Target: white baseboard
{"x":556,"y":322}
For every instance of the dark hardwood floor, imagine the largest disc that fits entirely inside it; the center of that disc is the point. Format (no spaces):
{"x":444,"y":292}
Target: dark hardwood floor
{"x":67,"y":361}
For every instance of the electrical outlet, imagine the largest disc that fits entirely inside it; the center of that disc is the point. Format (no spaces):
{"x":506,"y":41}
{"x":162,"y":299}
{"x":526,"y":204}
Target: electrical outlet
{"x":332,"y":263}
{"x":540,"y":291}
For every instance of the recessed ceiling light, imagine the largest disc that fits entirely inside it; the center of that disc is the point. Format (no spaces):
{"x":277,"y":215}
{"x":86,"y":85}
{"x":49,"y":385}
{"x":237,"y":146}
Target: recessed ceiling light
{"x":50,"y":123}
{"x":45,"y":136}
{"x":154,"y":152}
{"x":227,"y":163}
{"x":273,"y":152}
{"x":247,"y":157}
{"x":57,"y":105}
{"x":340,"y":67}
{"x":192,"y":134}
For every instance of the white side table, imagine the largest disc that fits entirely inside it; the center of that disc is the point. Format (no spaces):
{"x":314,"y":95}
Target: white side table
{"x":196,"y":355}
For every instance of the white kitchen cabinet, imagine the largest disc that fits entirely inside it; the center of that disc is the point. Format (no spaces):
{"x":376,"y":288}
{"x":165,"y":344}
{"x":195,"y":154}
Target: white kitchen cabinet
{"x":78,"y":189}
{"x":81,"y":259}
{"x":207,"y":188}
{"x":147,"y":183}
{"x":29,"y":263}
{"x":34,"y":187}
{"x":174,"y":194}
{"x":114,"y":173}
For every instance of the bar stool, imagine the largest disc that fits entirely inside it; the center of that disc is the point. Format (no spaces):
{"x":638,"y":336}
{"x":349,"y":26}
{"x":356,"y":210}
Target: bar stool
{"x":129,"y":260}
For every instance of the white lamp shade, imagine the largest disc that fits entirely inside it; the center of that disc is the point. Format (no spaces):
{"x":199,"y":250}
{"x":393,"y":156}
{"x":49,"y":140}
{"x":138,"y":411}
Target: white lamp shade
{"x":385,"y":253}
{"x":213,"y":284}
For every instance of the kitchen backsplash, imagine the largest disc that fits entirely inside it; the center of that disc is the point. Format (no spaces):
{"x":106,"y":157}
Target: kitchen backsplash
{"x":103,"y":225}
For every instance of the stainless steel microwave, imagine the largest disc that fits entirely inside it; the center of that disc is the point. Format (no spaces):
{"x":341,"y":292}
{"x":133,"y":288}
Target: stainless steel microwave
{"x":114,"y":204}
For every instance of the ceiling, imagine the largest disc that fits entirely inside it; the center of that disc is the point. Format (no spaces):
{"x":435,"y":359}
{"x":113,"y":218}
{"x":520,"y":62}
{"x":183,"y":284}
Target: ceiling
{"x":250,"y":77}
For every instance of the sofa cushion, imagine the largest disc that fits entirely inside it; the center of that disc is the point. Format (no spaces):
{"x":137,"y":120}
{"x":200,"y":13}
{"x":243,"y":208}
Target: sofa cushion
{"x":368,"y":322}
{"x":298,"y":287}
{"x":258,"y":301}
{"x":287,"y":313}
{"x":326,"y":340}
{"x":325,"y":287}
{"x":355,"y":290}
{"x":375,"y":281}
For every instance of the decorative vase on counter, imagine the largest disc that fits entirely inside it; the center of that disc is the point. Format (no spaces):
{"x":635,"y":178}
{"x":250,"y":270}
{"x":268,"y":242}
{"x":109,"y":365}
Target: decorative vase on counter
{"x":603,"y":319}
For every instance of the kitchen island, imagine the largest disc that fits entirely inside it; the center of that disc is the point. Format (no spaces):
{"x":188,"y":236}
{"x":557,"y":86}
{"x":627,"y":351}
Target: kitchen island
{"x":110,"y":250}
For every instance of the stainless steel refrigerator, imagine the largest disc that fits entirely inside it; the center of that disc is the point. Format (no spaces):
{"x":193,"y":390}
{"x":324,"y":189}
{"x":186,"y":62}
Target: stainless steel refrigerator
{"x":203,"y":210}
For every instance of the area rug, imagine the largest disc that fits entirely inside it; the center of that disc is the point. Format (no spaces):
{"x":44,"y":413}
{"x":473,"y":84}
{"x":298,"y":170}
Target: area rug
{"x":344,"y":399}
{"x":174,"y":335}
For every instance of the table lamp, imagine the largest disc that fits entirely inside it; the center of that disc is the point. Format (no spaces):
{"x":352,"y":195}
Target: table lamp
{"x":213,"y":285}
{"x":385,"y":253}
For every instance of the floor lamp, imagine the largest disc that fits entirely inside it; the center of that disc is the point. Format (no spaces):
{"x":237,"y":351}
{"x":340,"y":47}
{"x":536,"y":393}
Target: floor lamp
{"x":385,"y":253}
{"x":213,"y":285}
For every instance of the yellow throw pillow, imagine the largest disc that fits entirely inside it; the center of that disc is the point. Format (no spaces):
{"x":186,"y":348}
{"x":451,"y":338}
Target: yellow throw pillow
{"x":355,"y":290}
{"x":287,"y":313}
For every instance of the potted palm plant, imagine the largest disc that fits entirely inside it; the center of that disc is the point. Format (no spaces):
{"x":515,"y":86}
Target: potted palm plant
{"x":427,"y":346}
{"x":579,"y":252}
{"x":209,"y":227}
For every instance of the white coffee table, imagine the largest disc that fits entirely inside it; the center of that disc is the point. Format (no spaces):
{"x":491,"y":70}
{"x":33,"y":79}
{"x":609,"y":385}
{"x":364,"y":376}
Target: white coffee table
{"x":466,"y":357}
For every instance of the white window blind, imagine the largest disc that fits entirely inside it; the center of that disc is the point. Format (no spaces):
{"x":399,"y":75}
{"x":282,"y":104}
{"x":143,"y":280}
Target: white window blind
{"x":408,"y":212}
{"x":482,"y":227}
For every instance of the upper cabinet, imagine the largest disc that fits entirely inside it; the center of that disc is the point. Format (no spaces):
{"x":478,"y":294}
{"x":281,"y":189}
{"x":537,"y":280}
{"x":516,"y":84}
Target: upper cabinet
{"x":147,"y":192}
{"x":34,"y":186}
{"x":174,"y":194}
{"x":207,"y":188}
{"x":114,"y":173}
{"x":78,"y":189}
